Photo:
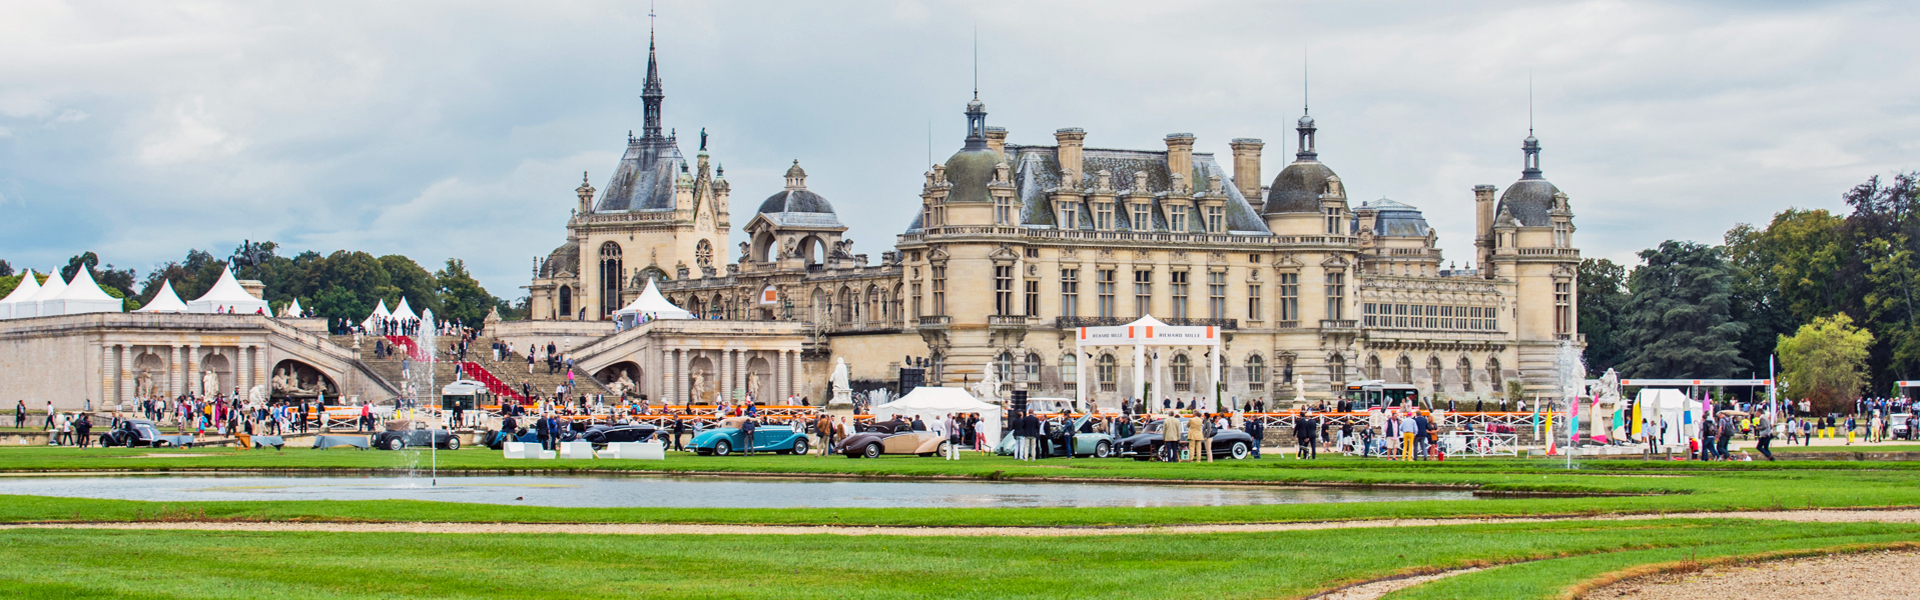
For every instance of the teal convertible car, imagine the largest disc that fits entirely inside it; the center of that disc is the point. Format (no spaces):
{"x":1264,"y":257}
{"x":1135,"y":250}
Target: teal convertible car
{"x":728,"y":439}
{"x":1085,"y":441}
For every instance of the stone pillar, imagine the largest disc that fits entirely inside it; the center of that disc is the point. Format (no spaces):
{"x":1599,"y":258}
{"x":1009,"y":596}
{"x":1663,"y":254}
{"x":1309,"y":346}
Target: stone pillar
{"x":260,"y":373}
{"x":793,"y":373}
{"x":1140,"y":375}
{"x":126,"y":374}
{"x":737,"y":362}
{"x":780,"y":388}
{"x":243,"y":368}
{"x":107,"y":372}
{"x":193,"y":369}
{"x":1213,"y":385}
{"x":682,"y":375}
{"x":174,"y":368}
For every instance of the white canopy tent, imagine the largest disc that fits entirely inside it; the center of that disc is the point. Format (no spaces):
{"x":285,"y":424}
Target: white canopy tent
{"x":404,"y":313}
{"x":1669,"y":406}
{"x":81,"y":296}
{"x":35,"y":305}
{"x":934,"y":403}
{"x":227,"y":296}
{"x":292,"y":311}
{"x":379,"y":312}
{"x":651,"y":305}
{"x":29,"y":285}
{"x":1143,"y":332}
{"x":164,"y":301}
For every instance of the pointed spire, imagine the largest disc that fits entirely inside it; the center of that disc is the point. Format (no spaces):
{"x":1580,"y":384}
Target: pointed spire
{"x":1305,"y":127}
{"x":1530,"y":166}
{"x":652,"y":93}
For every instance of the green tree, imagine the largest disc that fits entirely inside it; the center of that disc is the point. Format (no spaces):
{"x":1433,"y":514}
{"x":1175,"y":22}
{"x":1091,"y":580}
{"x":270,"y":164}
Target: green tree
{"x":360,"y":274}
{"x":461,"y":296}
{"x":412,"y":282}
{"x":1826,"y":361}
{"x":1676,"y":321}
{"x":1603,"y":294}
{"x":340,"y":303}
{"x":108,"y":278}
{"x":1786,"y":275}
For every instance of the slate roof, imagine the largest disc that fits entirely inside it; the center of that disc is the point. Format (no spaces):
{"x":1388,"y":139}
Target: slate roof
{"x":1297,"y":188}
{"x":1530,"y":201}
{"x":644,"y":180}
{"x":1396,"y":218}
{"x":1036,"y":169}
{"x":795,"y":201}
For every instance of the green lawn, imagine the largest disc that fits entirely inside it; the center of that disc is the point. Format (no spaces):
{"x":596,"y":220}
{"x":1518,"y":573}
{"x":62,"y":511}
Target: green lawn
{"x":69,"y":564}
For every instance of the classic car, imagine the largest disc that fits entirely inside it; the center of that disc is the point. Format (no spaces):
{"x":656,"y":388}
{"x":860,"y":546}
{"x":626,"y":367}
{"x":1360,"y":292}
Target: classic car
{"x":396,"y":440}
{"x":608,"y":434}
{"x":135,"y":432}
{"x":1230,"y":443}
{"x":728,"y":439}
{"x":1086,"y":441}
{"x":890,"y":440}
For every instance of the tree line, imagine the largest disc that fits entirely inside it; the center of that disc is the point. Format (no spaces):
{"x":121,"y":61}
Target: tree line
{"x":1833,"y":296}
{"x":341,"y":285}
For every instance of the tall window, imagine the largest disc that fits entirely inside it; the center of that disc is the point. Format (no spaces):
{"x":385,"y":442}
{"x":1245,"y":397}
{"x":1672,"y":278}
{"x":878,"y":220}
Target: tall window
{"x":1466,"y":374}
{"x":1217,"y":295}
{"x":1216,"y":219}
{"x":1182,"y":373}
{"x":1003,"y":210}
{"x":1103,"y":216}
{"x":1142,"y":292}
{"x":1253,"y":302}
{"x":1003,"y":367}
{"x":1177,"y":280}
{"x":1069,"y":215}
{"x":1289,"y":296}
{"x":1070,"y":371}
{"x":1256,"y":373}
{"x":1003,"y":290}
{"x":1333,"y":220}
{"x":1561,"y":237}
{"x":1493,"y":372}
{"x":1177,"y":219}
{"x":916,"y":300}
{"x":940,"y":290}
{"x":1107,"y":373}
{"x":1032,"y":370}
{"x":611,"y":275}
{"x":1106,"y":284}
{"x":1069,"y":292}
{"x":1142,"y":216}
{"x":1033,"y":298}
{"x":1562,"y":307}
{"x":1336,"y":295}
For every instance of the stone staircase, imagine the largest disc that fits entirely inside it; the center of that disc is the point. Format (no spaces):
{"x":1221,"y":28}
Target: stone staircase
{"x":513,"y":371}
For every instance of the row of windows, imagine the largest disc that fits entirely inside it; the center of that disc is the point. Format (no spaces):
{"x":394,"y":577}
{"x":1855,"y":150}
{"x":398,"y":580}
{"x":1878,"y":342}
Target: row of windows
{"x":1429,"y":316}
{"x":1106,"y":371}
{"x":1213,"y":219}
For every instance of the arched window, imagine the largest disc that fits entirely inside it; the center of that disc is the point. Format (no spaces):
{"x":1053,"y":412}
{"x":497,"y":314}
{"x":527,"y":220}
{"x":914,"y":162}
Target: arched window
{"x":1070,"y":371}
{"x":1466,"y":374}
{"x":1286,"y":369}
{"x":875,"y":309}
{"x":821,"y":306}
{"x":1256,"y":372}
{"x":1003,"y":367}
{"x":1373,"y":367}
{"x":848,"y":305}
{"x":1337,"y":371}
{"x":1108,"y":371}
{"x":1434,"y":372}
{"x":611,"y":271}
{"x":566,"y":302}
{"x":695,"y":306}
{"x":1182,"y":373}
{"x":1033,"y":370}
{"x":1493,"y":374}
{"x":1403,"y":369}
{"x":703,"y":254}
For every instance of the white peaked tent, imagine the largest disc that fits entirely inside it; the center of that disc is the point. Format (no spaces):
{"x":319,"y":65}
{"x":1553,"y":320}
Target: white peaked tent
{"x":29,"y":285}
{"x":164,"y":301}
{"x":652,"y":303}
{"x":292,"y":310}
{"x":1673,"y":407}
{"x":227,"y":295}
{"x":379,"y":312}
{"x":403,"y":313}
{"x":1142,"y":333}
{"x":35,"y":306}
{"x":81,"y":296}
{"x":934,"y":403}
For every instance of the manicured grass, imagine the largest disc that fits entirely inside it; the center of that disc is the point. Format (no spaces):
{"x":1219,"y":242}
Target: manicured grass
{"x":72,"y":564}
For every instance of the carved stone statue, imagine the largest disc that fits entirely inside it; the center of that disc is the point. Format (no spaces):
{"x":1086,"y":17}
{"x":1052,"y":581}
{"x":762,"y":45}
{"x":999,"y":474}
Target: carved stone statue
{"x":988,"y":390}
{"x":699,"y":384}
{"x":143,"y":384}
{"x":753,"y":383}
{"x":209,"y":382}
{"x":843,"y":249}
{"x":842,"y":402}
{"x":745,"y":255}
{"x":787,"y":248}
{"x":622,"y":386}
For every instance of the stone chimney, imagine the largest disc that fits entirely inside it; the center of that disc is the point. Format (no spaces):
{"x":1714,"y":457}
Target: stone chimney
{"x":1483,"y":222}
{"x":1071,"y":140}
{"x":1246,"y":167}
{"x":997,"y":140}
{"x":1180,"y":155}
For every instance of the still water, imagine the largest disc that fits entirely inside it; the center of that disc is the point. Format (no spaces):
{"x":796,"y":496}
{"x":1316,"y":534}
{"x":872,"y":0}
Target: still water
{"x":645,"y":491}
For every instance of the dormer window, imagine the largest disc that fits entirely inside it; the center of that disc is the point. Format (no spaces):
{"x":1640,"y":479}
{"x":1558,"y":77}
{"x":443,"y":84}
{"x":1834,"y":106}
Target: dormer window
{"x":1562,"y":235}
{"x":1103,"y":216}
{"x":1003,"y":210}
{"x":1069,"y":215}
{"x":1142,"y":216}
{"x":1333,"y":220}
{"x":1177,"y":218}
{"x":1216,"y":219}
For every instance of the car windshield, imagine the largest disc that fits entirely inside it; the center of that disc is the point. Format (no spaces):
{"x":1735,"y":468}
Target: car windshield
{"x":146,"y":429}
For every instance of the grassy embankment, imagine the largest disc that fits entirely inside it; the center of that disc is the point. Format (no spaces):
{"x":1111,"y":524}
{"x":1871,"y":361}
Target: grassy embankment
{"x":1660,"y":487}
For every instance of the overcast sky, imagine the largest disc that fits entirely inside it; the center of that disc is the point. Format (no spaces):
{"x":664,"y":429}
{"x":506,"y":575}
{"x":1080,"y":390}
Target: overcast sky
{"x":459,"y":129}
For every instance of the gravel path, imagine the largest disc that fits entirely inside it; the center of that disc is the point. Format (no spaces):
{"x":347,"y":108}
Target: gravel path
{"x":1865,"y":576}
{"x":1375,"y":589}
{"x":1820,"y":516}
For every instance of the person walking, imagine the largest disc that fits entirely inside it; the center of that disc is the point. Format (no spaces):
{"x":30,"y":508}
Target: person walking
{"x":1764,"y":430}
{"x":20,"y":414}
{"x":679,"y":430}
{"x":1255,"y":430}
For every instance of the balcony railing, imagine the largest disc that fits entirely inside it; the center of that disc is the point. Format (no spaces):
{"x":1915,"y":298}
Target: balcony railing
{"x":1010,"y":320}
{"x":1577,"y":338}
{"x":1339,"y":324}
{"x":1072,"y":322}
{"x":1286,"y":324}
{"x":936,"y":321}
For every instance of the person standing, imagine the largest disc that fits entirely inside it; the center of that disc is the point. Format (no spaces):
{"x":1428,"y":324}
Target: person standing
{"x":81,"y":430}
{"x":20,"y":414}
{"x":746,"y":433}
{"x":1423,"y":430}
{"x":679,"y":430}
{"x":1171,"y":437}
{"x":1198,"y":438}
{"x":1727,"y":430}
{"x":1255,"y":430}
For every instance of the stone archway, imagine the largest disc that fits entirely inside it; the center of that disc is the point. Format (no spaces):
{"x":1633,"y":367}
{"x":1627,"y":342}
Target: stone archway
{"x":759,"y":381}
{"x":703,"y":382}
{"x":622,"y":378}
{"x":296,"y":380}
{"x":222,"y":370}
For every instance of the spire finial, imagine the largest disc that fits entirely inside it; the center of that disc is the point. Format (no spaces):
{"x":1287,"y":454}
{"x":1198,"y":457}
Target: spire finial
{"x":976,"y":61}
{"x":1306,"y":105}
{"x":1529,"y":103}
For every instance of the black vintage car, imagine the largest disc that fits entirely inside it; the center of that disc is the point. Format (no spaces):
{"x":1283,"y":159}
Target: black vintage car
{"x":1230,"y":443}
{"x":418,"y":438}
{"x":135,"y":432}
{"x":609,"y":434}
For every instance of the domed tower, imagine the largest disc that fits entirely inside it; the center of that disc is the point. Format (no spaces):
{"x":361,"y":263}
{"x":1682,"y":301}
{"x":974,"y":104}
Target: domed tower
{"x":794,"y":224}
{"x":1306,"y":198}
{"x":974,"y":186}
{"x":1530,"y":242}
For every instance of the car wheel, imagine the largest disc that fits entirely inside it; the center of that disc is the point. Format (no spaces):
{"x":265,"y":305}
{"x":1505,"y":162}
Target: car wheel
{"x":722,"y":448}
{"x":800,"y":446}
{"x":396,"y":444}
{"x":873,"y":450}
{"x":1238,"y":451}
{"x":1102,"y":449}
{"x":453,"y":442}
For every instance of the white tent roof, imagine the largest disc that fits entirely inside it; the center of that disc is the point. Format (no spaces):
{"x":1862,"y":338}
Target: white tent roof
{"x":294,"y":310}
{"x":227,"y":294}
{"x":379,"y":312}
{"x":1147,"y":321}
{"x":10,"y":307}
{"x":932,"y":403}
{"x":404,"y":312}
{"x":165,"y":301}
{"x":81,"y":296}
{"x":51,"y":288}
{"x":651,"y":302}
